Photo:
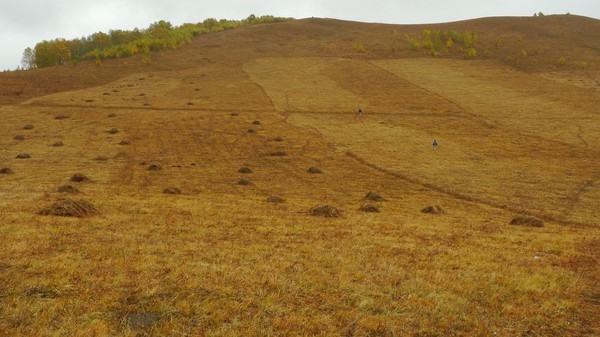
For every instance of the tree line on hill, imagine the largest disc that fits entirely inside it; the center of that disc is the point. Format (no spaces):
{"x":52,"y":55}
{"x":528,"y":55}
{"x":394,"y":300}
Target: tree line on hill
{"x":123,"y":43}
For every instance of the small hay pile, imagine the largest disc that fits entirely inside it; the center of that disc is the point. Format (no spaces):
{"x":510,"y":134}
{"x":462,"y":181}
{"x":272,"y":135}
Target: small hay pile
{"x":369,"y":208}
{"x":70,"y":207}
{"x":273,"y":199}
{"x":314,"y":170}
{"x":325,"y":211}
{"x":58,"y":144}
{"x":433,"y":209}
{"x":124,"y":142}
{"x":244,"y":169}
{"x":79,"y":178}
{"x":6,"y":170}
{"x":278,"y":153}
{"x":172,"y":190}
{"x":19,"y":137}
{"x":243,"y":182}
{"x":113,"y":131}
{"x":527,"y":222}
{"x":29,"y":127}
{"x":154,"y":167}
{"x":374,"y":196}
{"x":256,"y":123}
{"x":23,"y":156}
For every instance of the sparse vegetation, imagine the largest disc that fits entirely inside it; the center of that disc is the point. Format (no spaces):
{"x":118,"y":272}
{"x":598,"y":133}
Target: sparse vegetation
{"x":439,"y":43}
{"x":223,"y":259}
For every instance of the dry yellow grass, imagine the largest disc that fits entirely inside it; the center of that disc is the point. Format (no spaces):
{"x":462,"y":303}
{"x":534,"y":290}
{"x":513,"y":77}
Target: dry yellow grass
{"x":220,"y":260}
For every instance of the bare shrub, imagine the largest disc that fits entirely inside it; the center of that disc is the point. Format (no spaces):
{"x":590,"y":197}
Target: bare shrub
{"x":325,"y":211}
{"x":71,"y":208}
{"x":527,"y":222}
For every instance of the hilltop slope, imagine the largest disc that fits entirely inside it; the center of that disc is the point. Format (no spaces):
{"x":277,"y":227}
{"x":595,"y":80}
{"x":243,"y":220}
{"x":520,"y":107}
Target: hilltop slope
{"x":184,"y":158}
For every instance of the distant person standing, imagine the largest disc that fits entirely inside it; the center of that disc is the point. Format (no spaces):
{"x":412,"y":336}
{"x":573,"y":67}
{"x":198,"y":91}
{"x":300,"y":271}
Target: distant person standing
{"x":435,"y":144}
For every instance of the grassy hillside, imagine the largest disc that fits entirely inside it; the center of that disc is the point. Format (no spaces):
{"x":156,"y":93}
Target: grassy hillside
{"x":193,"y":181}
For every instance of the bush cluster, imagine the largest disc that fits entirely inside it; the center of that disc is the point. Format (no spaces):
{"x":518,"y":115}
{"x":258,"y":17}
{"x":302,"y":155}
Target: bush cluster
{"x":122,"y":43}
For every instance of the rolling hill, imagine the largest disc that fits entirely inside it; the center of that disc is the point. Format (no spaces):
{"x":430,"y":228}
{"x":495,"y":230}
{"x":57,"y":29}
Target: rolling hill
{"x":202,"y":168}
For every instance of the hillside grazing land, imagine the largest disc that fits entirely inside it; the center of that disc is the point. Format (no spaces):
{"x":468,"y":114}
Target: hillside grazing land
{"x":181,"y":196}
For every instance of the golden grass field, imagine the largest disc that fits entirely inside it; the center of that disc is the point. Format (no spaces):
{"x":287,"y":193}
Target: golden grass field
{"x":219,"y":260}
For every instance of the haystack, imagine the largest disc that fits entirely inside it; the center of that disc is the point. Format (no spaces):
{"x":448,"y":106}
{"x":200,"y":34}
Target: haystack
{"x":6,"y":170}
{"x":172,"y":190}
{"x":70,"y":207}
{"x":243,"y":182}
{"x":244,"y":169}
{"x":278,"y":153}
{"x":433,"y":209}
{"x":23,"y":156}
{"x":314,"y":170}
{"x":374,"y":196}
{"x":527,"y":222}
{"x":325,"y":211}
{"x":369,"y":208}
{"x":275,"y":199}
{"x":79,"y":178}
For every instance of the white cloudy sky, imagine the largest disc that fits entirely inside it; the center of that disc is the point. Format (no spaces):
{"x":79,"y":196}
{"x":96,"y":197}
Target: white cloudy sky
{"x":23,"y":23}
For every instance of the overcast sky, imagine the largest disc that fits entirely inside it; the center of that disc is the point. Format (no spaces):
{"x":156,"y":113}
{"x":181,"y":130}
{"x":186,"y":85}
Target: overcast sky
{"x":23,"y":23}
